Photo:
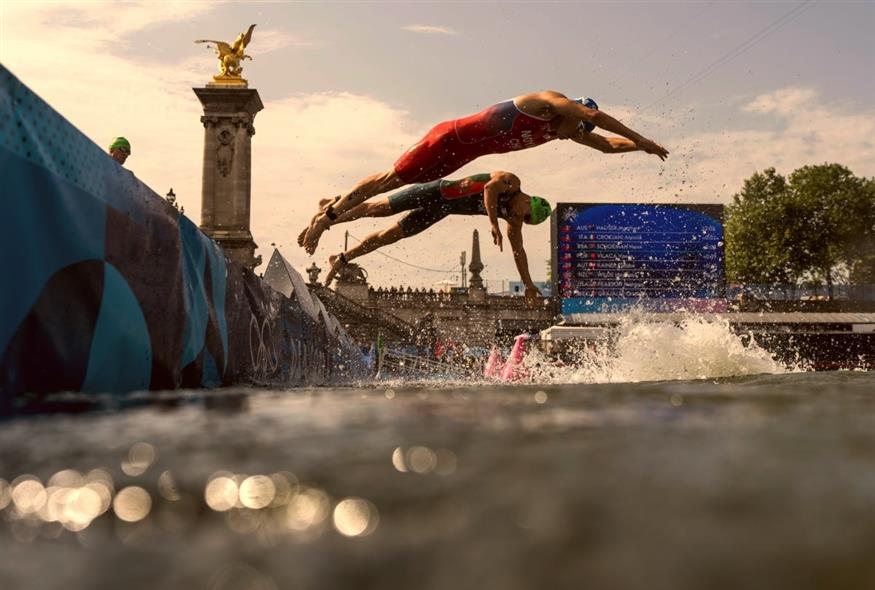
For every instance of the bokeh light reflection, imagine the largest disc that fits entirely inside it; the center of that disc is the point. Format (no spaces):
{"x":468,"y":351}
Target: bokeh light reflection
{"x":267,"y":507}
{"x":257,"y":492}
{"x":101,"y":476}
{"x":244,"y":522}
{"x":307,"y":508}
{"x":446,"y":462}
{"x":24,"y":532}
{"x":421,"y":459}
{"x":286,"y":485}
{"x":167,"y":487}
{"x":68,"y":478}
{"x":103,"y":491}
{"x":221,"y":492}
{"x":5,"y":494}
{"x":140,"y":456}
{"x":132,"y":504}
{"x":52,"y":510}
{"x":398,"y":460}
{"x":28,"y":494}
{"x":81,"y":507}
{"x":52,"y":530}
{"x":355,"y":517}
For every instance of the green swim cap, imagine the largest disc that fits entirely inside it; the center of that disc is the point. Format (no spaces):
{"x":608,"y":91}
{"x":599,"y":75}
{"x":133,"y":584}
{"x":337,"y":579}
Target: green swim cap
{"x":120,"y":142}
{"x":540,"y":210}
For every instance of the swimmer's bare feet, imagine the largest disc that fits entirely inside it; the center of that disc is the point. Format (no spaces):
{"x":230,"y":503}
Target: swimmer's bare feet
{"x":323,"y":205}
{"x":314,"y":232}
{"x":336,"y":262}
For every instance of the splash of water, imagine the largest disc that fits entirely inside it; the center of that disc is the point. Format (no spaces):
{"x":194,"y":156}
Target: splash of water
{"x":694,"y":348}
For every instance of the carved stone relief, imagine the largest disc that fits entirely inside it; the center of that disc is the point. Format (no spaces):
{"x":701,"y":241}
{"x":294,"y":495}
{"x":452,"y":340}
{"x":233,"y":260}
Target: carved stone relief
{"x":225,"y":151}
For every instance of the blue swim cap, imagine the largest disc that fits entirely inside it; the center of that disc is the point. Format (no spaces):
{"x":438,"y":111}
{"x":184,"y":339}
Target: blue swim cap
{"x":587,"y":102}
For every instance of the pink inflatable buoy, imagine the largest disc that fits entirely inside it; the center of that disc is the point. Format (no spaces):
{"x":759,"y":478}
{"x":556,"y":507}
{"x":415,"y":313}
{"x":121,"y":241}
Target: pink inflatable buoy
{"x":513,"y":369}
{"x":492,"y":363}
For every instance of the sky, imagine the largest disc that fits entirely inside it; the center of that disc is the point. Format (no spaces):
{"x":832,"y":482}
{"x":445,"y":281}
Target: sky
{"x":730,"y":88}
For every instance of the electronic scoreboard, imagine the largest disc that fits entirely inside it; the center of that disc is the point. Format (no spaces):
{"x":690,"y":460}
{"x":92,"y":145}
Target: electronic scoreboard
{"x":614,"y":257}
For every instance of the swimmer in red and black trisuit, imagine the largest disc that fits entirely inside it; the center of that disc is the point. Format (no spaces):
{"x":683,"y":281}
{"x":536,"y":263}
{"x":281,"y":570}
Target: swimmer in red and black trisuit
{"x":526,"y":121}
{"x":496,"y":195}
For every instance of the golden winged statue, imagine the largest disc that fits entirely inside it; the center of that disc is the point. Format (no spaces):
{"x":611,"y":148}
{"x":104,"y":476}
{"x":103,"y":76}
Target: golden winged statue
{"x":230,"y":57}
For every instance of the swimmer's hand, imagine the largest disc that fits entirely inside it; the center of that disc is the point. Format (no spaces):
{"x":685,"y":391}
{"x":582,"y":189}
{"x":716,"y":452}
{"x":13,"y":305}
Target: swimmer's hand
{"x":496,"y":237}
{"x":651,"y":147}
{"x":533,"y":296}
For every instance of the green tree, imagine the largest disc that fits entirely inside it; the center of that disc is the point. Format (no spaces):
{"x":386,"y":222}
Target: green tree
{"x":862,"y":264}
{"x":818,"y":225}
{"x":754,"y":249}
{"x":835,"y":222}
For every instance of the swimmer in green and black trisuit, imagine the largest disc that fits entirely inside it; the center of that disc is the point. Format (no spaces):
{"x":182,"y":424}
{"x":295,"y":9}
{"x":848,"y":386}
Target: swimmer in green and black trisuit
{"x":496,"y":195}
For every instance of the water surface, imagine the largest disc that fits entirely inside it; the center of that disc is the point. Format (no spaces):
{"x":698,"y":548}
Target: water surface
{"x":755,"y":482}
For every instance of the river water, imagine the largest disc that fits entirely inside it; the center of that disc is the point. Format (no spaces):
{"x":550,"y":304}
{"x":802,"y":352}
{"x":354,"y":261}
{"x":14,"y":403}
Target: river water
{"x":755,"y":482}
{"x":584,"y":479}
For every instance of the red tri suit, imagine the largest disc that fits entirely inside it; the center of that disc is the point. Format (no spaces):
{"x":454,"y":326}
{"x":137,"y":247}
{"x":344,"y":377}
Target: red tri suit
{"x":452,"y":144}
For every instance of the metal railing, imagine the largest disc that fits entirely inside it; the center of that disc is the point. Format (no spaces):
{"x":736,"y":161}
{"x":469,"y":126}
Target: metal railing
{"x":863,"y":292}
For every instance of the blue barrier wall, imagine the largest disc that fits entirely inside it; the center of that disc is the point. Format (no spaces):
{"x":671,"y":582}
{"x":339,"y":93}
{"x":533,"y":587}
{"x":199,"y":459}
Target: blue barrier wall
{"x":107,"y":288}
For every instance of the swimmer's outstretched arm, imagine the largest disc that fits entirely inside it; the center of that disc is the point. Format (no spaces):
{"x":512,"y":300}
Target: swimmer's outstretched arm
{"x":607,"y":145}
{"x":500,"y":183}
{"x":562,"y":105}
{"x":515,"y":237}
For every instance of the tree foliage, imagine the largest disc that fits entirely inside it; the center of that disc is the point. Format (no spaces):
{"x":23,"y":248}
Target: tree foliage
{"x":818,"y":225}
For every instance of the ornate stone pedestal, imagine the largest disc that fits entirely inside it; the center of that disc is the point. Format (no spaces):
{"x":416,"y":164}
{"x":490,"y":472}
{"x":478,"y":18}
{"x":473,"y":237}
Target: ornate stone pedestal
{"x":352,"y":282}
{"x":227,"y":174}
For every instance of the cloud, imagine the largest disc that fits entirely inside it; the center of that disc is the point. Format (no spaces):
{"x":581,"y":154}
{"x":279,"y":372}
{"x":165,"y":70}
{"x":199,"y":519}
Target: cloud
{"x":429,"y":30}
{"x":312,"y":146}
{"x":784,"y":102}
{"x":268,"y":40}
{"x":97,"y":23}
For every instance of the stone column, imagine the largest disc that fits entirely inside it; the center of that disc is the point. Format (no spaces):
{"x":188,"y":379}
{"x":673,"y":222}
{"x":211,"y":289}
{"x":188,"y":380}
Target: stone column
{"x":227,"y":174}
{"x":476,"y":290}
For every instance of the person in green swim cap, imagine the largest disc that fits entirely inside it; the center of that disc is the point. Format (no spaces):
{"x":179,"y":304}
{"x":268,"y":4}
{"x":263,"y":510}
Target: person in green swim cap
{"x":120,"y":149}
{"x":496,"y":195}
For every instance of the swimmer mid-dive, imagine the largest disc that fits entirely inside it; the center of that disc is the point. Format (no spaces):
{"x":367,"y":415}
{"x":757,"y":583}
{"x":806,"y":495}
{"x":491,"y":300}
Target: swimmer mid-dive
{"x":495,"y":194}
{"x":526,"y":121}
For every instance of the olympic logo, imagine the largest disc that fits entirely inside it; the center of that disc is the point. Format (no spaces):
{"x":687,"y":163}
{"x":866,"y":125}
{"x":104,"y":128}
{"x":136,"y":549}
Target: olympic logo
{"x":262,"y":353}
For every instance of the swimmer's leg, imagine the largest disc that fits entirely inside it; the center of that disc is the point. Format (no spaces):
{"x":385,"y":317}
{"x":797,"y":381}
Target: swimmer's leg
{"x":367,"y":188}
{"x":379,"y":208}
{"x":416,"y":221}
{"x":375,"y":208}
{"x":375,"y":240}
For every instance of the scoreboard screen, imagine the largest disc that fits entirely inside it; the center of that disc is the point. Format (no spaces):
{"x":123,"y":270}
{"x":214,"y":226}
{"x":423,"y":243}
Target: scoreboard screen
{"x":612,"y":257}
